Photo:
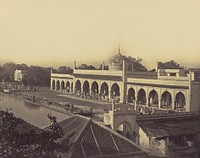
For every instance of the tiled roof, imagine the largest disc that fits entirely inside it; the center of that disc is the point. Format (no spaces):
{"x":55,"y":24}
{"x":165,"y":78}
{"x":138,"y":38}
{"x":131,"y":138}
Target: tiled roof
{"x":169,"y":128}
{"x":91,"y":139}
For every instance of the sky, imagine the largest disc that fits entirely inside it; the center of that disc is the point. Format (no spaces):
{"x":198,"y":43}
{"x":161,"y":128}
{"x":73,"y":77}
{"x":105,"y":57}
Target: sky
{"x":57,"y":32}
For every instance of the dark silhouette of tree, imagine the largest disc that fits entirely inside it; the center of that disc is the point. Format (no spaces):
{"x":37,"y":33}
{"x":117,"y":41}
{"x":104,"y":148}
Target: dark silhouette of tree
{"x":86,"y":67}
{"x":65,"y":70}
{"x":37,"y":76}
{"x":169,"y":65}
{"x":23,"y":140}
{"x":4,"y":75}
{"x":135,"y":64}
{"x":10,"y":67}
{"x":22,"y":66}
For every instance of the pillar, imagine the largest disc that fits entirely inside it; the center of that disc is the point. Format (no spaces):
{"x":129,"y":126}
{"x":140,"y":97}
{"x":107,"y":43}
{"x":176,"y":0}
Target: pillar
{"x":51,"y":84}
{"x":159,"y":102}
{"x":74,"y":89}
{"x":90,"y":91}
{"x":109,"y":91}
{"x":173,"y":102}
{"x":147,"y":101}
{"x":124,"y":86}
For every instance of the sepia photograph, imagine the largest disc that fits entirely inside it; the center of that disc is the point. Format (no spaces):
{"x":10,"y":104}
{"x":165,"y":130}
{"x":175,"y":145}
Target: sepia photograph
{"x":99,"y":79}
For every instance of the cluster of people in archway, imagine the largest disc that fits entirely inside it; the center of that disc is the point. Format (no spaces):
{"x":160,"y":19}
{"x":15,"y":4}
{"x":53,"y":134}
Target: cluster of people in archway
{"x":113,"y":93}
{"x":153,"y":100}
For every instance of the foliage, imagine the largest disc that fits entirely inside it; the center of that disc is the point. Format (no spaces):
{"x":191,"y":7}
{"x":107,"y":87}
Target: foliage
{"x":169,"y":65}
{"x":3,"y":74}
{"x":20,"y":139}
{"x":10,"y":67}
{"x":86,"y":67}
{"x":37,"y":76}
{"x":135,"y":64}
{"x":65,"y":70}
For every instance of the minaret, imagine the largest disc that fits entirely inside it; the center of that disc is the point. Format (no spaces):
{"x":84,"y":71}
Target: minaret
{"x":103,"y":65}
{"x":74,"y":64}
{"x":119,"y":50}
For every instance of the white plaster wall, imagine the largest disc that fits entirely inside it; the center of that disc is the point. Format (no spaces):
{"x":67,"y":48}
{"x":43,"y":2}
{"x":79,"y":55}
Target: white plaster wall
{"x":157,"y":146}
{"x":143,"y":139}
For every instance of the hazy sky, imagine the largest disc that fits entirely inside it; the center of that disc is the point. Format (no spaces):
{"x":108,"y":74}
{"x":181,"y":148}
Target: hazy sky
{"x":56,"y":32}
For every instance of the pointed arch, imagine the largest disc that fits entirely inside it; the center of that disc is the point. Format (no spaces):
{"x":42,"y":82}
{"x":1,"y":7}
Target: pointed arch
{"x":95,"y":90}
{"x":86,"y":88}
{"x":131,"y":95}
{"x":141,"y":97}
{"x":104,"y":91}
{"x":78,"y":87}
{"x":115,"y":92}
{"x":58,"y":85}
{"x":166,"y":100}
{"x":62,"y":85}
{"x":67,"y":86}
{"x":180,"y":100}
{"x":153,"y":98}
{"x":53,"y":85}
{"x":125,"y":129}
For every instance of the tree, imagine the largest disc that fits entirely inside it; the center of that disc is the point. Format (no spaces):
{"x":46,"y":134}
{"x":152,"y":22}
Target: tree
{"x":22,"y":66}
{"x":10,"y":67}
{"x":86,"y":67}
{"x":4,"y":75}
{"x":135,"y":64}
{"x":169,"y":65}
{"x":65,"y":70}
{"x":20,"y":139}
{"x":37,"y":76}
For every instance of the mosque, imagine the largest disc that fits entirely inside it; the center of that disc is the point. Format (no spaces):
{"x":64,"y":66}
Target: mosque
{"x":164,"y":89}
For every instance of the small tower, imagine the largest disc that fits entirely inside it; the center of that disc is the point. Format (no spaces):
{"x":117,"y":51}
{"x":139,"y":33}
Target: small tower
{"x":103,"y":66}
{"x":119,"y":50}
{"x":74,"y":66}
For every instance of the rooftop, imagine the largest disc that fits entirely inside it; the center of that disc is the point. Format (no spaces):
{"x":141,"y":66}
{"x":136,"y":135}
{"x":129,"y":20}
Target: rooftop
{"x":172,"y":126}
{"x":92,"y":139}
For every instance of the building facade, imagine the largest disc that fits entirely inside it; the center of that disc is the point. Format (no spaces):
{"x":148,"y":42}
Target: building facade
{"x":167,"y":89}
{"x":19,"y":74}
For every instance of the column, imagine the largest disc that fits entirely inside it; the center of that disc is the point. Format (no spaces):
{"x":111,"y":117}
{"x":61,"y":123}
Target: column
{"x":159,"y":99}
{"x":173,"y":101}
{"x":61,"y":87}
{"x":51,"y":84}
{"x":82,"y":90}
{"x":109,"y":91}
{"x":147,"y":101}
{"x":90,"y":92}
{"x":74,"y":90}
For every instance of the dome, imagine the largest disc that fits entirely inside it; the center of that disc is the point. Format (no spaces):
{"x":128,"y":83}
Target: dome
{"x":116,"y":61}
{"x":117,"y":57}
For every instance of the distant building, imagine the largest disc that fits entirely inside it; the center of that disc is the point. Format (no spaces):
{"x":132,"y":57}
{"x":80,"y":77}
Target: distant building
{"x":164,"y":89}
{"x":19,"y":74}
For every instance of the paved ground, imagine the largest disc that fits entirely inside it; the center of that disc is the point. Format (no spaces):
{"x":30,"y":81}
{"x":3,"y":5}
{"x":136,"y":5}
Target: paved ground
{"x":98,"y":105}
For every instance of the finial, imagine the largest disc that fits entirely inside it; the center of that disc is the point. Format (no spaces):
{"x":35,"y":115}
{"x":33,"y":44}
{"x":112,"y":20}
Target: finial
{"x":119,"y":49}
